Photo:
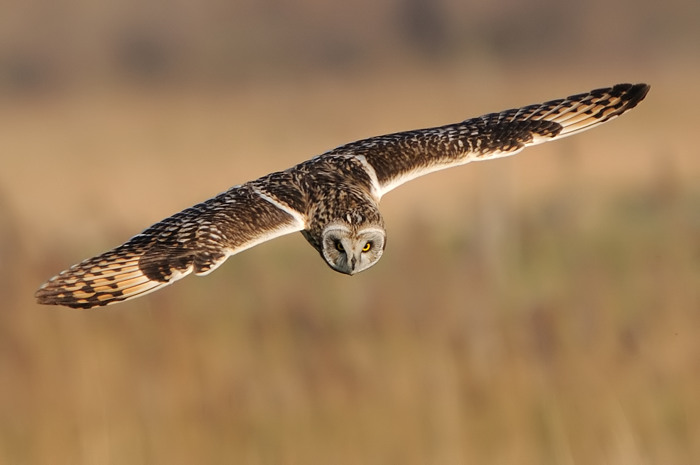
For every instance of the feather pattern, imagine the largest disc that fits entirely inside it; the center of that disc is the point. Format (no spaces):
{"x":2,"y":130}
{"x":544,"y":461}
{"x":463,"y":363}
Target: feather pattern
{"x":333,"y":199}
{"x":197,"y":240}
{"x":400,"y":157}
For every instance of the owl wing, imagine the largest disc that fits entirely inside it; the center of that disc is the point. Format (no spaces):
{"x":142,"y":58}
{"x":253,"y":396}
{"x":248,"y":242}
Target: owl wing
{"x":197,"y":239}
{"x":400,"y":157}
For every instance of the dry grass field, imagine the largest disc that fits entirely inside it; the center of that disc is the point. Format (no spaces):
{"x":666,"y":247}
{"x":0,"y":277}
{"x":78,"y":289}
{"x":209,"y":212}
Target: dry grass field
{"x":540,"y":309}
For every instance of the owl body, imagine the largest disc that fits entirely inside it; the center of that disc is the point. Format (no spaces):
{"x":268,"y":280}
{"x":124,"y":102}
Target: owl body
{"x":333,"y":199}
{"x":340,"y":196}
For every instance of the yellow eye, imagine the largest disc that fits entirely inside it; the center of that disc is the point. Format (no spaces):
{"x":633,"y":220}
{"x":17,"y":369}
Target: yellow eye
{"x":367,"y":247}
{"x":339,"y":246}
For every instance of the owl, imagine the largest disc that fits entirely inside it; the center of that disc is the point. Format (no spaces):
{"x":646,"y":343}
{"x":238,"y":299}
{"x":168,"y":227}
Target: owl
{"x":333,"y":199}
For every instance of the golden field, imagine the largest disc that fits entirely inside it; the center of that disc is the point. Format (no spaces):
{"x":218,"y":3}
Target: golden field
{"x":539,"y":309}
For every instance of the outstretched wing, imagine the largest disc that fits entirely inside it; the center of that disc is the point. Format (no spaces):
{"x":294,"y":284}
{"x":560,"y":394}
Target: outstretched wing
{"x":400,"y":157}
{"x":197,"y":240}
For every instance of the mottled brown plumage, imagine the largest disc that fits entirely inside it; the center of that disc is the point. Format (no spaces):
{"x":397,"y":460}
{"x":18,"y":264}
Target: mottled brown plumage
{"x":333,"y":199}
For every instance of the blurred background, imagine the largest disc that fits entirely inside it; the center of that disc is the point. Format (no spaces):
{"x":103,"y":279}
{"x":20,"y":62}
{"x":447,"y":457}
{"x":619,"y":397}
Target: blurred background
{"x":540,"y":309}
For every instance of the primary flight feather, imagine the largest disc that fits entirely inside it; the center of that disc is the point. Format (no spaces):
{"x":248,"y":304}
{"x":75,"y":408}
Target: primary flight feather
{"x":333,"y":199}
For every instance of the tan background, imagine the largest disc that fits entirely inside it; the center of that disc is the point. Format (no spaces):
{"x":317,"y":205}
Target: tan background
{"x":531,"y":310}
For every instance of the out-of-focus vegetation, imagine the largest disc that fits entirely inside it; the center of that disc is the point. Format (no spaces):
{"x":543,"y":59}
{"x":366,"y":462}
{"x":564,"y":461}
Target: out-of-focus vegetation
{"x":537,"y":309}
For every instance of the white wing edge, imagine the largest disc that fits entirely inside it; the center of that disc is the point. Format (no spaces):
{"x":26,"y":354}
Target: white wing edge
{"x":297,"y":225}
{"x":409,"y":176}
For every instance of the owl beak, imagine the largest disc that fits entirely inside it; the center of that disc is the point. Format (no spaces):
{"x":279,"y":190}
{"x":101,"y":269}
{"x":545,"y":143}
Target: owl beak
{"x":352,"y":265}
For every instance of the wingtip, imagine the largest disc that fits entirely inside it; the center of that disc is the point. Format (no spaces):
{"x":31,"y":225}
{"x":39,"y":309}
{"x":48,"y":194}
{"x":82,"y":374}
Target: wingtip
{"x":49,"y":294}
{"x":43,"y":296}
{"x":632,"y":93}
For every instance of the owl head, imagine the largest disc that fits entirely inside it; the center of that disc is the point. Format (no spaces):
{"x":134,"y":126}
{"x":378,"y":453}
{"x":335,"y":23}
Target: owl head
{"x":351,"y":249}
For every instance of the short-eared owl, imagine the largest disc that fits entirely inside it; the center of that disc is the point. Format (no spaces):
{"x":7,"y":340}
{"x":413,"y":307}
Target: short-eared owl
{"x":333,"y":199}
